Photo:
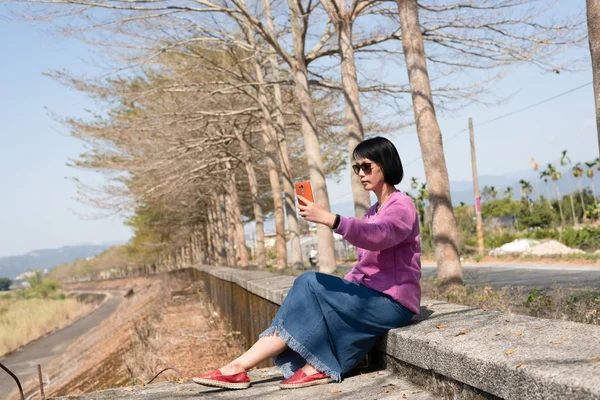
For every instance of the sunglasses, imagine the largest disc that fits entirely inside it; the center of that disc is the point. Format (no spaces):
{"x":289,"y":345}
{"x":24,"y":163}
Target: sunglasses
{"x":366,"y":167}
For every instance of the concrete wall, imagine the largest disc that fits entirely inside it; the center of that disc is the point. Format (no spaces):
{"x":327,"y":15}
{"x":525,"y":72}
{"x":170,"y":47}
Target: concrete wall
{"x":457,"y":351}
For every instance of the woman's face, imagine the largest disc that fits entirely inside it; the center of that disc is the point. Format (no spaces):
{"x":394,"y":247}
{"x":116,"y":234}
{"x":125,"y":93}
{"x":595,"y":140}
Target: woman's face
{"x":372,"y":179}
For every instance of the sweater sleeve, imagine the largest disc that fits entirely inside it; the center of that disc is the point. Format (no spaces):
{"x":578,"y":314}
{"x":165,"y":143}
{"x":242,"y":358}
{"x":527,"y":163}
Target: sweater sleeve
{"x":387,"y":231}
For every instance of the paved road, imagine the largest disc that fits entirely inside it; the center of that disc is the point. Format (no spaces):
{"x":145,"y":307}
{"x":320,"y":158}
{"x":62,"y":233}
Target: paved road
{"x":23,"y":363}
{"x":526,"y":275}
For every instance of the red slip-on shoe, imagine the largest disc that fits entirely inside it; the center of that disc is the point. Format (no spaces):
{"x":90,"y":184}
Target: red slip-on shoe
{"x":300,"y":380}
{"x":215,"y":378}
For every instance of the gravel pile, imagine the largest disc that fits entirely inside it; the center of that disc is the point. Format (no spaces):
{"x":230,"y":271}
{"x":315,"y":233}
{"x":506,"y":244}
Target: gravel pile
{"x":518,"y":246}
{"x":552,"y":247}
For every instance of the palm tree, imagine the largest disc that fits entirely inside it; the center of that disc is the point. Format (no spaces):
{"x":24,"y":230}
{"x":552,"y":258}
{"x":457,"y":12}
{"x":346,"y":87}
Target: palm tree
{"x":555,"y":175}
{"x":564,"y":161}
{"x":545,"y":175}
{"x":508,"y":192}
{"x":590,"y":174}
{"x":485,"y":193}
{"x":493,"y":192}
{"x":526,"y":188}
{"x":414,"y":183}
{"x":578,"y":174}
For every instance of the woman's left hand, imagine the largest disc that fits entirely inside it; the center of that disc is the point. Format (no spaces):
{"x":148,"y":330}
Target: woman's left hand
{"x":313,"y":212}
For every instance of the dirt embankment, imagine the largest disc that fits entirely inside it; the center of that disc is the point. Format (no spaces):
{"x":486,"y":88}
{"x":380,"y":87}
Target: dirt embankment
{"x":163,"y":322}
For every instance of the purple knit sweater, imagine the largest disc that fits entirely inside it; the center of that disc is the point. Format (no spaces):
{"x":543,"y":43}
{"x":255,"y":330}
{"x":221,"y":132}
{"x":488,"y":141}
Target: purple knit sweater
{"x":389,"y":250}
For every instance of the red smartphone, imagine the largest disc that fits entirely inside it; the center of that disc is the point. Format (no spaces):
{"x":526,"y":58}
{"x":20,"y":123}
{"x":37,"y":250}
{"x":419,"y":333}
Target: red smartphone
{"x":304,"y":189}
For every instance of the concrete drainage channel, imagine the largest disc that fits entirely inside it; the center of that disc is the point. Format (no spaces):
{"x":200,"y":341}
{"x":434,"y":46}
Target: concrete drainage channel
{"x":451,"y":351}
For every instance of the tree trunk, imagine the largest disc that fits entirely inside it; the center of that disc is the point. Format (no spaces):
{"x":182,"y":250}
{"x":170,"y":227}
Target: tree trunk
{"x":269,"y":137}
{"x":353,"y":114}
{"x":218,"y":233}
{"x":224,"y":230}
{"x":284,"y":157}
{"x":288,"y":189}
{"x":231,"y":234}
{"x":581,"y":198}
{"x":430,"y":139}
{"x":240,"y":239}
{"x":575,"y":220}
{"x":308,"y":124}
{"x":560,"y":209}
{"x":593,"y":20}
{"x":210,"y":244}
{"x":261,"y":260}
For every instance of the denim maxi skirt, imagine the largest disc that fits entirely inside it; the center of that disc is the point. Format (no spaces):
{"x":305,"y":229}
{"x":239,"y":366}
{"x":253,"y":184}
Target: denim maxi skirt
{"x":332,"y":323}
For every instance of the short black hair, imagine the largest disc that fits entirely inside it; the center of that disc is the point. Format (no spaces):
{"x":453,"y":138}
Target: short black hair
{"x":383,"y":153}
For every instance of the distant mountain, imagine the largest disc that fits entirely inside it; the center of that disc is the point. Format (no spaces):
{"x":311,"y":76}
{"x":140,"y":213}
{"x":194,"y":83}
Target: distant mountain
{"x":12,"y":266}
{"x":462,"y":191}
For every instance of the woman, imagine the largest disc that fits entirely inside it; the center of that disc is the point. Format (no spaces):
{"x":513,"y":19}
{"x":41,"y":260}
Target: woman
{"x":326,"y":324}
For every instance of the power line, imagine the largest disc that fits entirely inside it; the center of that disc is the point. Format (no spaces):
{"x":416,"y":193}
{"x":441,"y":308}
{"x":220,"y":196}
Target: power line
{"x":497,"y":119}
{"x":509,"y":114}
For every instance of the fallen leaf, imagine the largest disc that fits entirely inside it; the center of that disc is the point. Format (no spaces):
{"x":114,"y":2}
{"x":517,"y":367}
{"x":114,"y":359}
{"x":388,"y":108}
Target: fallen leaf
{"x":335,"y":390}
{"x":403,"y":396}
{"x":440,"y":326}
{"x":518,"y":334}
{"x":178,"y":390}
{"x":556,"y":342}
{"x":426,"y":332}
{"x":524,"y":363}
{"x":477,"y":320}
{"x":497,"y":334}
{"x":483,"y":308}
{"x":264,"y":376}
{"x":593,"y":360}
{"x":463,"y":332}
{"x":509,"y":351}
{"x":429,"y":305}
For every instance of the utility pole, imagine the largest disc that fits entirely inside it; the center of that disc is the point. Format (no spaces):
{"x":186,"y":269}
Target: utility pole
{"x":476,"y":191}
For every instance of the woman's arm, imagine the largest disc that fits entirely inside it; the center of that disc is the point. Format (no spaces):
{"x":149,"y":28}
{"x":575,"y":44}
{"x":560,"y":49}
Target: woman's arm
{"x":389,"y":230}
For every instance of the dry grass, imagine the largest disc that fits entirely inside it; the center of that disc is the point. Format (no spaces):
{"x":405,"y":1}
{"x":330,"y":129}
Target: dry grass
{"x":24,"y":320}
{"x":562,"y":303}
{"x":148,"y":332}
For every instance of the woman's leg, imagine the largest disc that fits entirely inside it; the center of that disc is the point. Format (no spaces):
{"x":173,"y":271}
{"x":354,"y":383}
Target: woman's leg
{"x":265,"y":348}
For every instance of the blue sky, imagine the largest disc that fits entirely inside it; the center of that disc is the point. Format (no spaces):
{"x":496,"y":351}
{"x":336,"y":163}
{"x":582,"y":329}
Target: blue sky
{"x":37,"y":203}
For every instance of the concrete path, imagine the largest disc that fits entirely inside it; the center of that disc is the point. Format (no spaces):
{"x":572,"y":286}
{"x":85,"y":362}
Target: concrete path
{"x":526,"y":274}
{"x":373,"y":385}
{"x":23,"y":362}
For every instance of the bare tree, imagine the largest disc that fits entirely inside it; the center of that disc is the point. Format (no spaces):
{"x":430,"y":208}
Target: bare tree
{"x":593,"y":25}
{"x":430,"y":139}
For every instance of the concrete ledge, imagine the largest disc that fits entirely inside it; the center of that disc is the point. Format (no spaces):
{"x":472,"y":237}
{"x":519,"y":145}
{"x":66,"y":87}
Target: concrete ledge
{"x":500,"y":354}
{"x":368,"y":386}
{"x":264,"y":284}
{"x":507,"y":355}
